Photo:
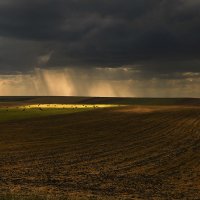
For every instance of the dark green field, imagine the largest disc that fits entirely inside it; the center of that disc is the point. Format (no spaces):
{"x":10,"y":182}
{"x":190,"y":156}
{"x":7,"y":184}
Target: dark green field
{"x":97,"y":100}
{"x":148,"y":149}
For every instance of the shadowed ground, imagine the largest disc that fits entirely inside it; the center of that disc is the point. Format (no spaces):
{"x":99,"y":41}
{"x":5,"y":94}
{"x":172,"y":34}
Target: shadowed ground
{"x":137,"y":152}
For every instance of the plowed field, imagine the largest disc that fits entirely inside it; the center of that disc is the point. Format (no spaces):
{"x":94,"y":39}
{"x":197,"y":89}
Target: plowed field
{"x":132,"y":152}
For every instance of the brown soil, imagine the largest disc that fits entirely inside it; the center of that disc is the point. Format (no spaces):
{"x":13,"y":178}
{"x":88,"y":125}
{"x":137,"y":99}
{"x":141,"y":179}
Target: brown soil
{"x":144,"y":152}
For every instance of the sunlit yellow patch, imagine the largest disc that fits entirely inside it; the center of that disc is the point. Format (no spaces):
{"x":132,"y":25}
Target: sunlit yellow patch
{"x":67,"y":106}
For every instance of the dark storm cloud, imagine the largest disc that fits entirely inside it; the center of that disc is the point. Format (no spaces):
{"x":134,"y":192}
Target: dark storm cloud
{"x":157,"y":36}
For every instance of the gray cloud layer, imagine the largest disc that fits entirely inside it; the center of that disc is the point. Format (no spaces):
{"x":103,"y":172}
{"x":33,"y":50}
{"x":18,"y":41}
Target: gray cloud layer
{"x":154,"y":36}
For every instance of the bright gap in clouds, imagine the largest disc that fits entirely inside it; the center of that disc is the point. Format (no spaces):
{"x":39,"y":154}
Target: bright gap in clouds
{"x":101,"y":82}
{"x":66,"y":82}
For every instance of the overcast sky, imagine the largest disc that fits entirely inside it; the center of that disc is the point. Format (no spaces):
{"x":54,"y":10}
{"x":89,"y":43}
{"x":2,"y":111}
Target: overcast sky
{"x":134,"y":43}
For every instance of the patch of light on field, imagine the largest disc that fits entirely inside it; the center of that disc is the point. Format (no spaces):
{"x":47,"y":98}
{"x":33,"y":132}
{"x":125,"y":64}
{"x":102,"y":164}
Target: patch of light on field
{"x":67,"y":106}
